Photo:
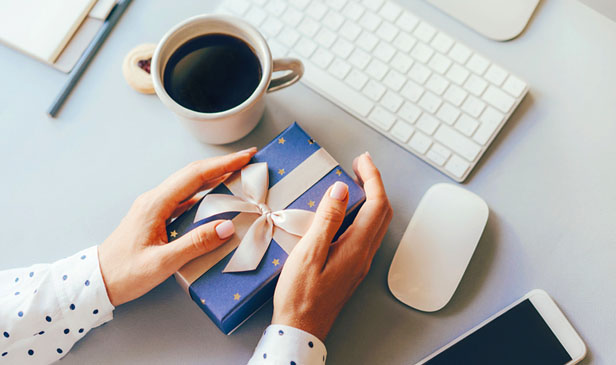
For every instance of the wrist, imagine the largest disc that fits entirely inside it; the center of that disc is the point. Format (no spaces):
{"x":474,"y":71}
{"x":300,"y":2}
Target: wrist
{"x":316,"y":327}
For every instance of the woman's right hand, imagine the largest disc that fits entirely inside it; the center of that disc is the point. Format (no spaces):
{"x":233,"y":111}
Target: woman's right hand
{"x":319,"y":277}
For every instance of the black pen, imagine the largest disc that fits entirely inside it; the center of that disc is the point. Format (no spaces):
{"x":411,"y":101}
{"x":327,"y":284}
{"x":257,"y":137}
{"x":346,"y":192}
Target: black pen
{"x":86,"y":57}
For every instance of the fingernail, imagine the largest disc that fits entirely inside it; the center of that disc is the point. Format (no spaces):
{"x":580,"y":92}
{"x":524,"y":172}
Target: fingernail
{"x":368,"y":155}
{"x":225,"y":229}
{"x":248,"y":150}
{"x":339,"y":191}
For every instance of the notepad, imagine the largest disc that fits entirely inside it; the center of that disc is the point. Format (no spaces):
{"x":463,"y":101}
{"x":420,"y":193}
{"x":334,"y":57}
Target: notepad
{"x":41,"y":28}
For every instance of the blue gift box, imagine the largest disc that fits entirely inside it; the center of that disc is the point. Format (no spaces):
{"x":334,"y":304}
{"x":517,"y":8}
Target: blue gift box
{"x":231,"y":298}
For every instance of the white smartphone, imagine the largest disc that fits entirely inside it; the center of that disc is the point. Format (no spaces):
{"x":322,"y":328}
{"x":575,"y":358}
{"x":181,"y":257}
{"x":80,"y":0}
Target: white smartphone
{"x":533,"y":330}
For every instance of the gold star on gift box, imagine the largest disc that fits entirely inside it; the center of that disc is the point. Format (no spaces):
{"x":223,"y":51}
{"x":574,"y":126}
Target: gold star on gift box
{"x":281,"y":171}
{"x":338,"y":172}
{"x":173,"y":234}
{"x":236,"y":296}
{"x":311,"y":203}
{"x":203,"y":301}
{"x":276,"y":262}
{"x":281,"y":140}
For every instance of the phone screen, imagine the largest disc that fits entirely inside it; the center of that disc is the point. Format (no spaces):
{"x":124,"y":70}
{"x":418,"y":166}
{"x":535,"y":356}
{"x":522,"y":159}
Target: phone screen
{"x":518,"y":336}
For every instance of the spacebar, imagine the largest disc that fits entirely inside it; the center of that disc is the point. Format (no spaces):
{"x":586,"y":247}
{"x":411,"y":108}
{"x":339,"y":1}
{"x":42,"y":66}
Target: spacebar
{"x":334,"y":89}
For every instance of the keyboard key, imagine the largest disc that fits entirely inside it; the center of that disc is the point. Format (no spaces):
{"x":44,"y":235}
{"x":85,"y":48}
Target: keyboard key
{"x":478,"y":64}
{"x":255,"y":16}
{"x":457,"y":142}
{"x":475,"y":85}
{"x":384,"y":52}
{"x":412,"y":91}
{"x":467,"y":125}
{"x":276,"y":7}
{"x":387,"y":31}
{"x":401,"y":62}
{"x":350,"y":31}
{"x":457,"y":166}
{"x":288,"y":37}
{"x":490,"y":120}
{"x":357,"y":79}
{"x":407,"y":21}
{"x":377,"y":69}
{"x":309,"y":27}
{"x":402,"y":131}
{"x":439,"y":63}
{"x":455,"y":95}
{"x":342,"y":48}
{"x":359,"y":58}
{"x":374,"y":90}
{"x":336,"y":4}
{"x":300,"y":4}
{"x":238,"y":7}
{"x":514,"y":86}
{"x":499,"y":99}
{"x":496,"y":75}
{"x":394,"y":80}
{"x":316,"y":9}
{"x":348,"y":97}
{"x":382,"y":118}
{"x":271,"y":27}
{"x":442,"y":43}
{"x":438,"y":154}
{"x":370,"y":21}
{"x":422,"y":53}
{"x":391,"y":101}
{"x":448,"y":113}
{"x":277,"y":49}
{"x":322,"y":58}
{"x":419,"y":73}
{"x":353,"y":11}
{"x":457,"y":74}
{"x":460,"y":53}
{"x":427,"y":124}
{"x":306,"y":47}
{"x":420,"y":142}
{"x":409,"y":112}
{"x":367,"y":41}
{"x":390,"y":11}
{"x":437,"y":84}
{"x":473,"y":106}
{"x":325,"y":37}
{"x":425,"y":32}
{"x":339,"y":68}
{"x":292,"y":16}
{"x":429,"y":102}
{"x":333,"y":20}
{"x":373,"y":5}
{"x":404,"y":42}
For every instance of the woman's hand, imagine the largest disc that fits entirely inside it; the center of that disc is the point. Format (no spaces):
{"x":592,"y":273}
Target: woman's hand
{"x":136,"y":257}
{"x":319,"y":277}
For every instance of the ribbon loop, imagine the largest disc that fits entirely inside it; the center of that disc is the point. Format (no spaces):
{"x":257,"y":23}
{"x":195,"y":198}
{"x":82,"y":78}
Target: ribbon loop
{"x":254,"y":244}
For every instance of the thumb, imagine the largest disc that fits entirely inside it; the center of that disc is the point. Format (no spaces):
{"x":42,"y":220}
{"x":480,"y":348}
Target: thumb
{"x":199,"y":241}
{"x":327,"y":221}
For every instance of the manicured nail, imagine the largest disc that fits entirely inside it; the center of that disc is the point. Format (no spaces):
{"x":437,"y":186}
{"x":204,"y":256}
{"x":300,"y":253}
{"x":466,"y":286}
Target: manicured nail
{"x":339,"y":191}
{"x":368,"y":155}
{"x":247,"y":151}
{"x":225,"y":229}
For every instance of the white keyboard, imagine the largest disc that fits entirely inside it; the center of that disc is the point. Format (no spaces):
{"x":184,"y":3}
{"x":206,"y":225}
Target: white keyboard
{"x":414,"y":84}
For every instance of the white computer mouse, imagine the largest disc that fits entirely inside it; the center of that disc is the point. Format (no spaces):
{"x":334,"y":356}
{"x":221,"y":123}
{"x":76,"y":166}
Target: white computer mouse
{"x":437,"y":246}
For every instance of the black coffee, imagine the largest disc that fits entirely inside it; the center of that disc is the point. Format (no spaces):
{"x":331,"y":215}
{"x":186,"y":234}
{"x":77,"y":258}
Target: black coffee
{"x":212,"y":73}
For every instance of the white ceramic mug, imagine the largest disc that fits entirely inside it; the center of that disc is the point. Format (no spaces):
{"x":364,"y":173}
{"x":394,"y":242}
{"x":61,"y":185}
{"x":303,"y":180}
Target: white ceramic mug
{"x":232,"y":124}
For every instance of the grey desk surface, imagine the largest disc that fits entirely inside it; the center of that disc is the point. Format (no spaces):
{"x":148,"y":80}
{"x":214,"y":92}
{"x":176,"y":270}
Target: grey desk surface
{"x":549,"y":180}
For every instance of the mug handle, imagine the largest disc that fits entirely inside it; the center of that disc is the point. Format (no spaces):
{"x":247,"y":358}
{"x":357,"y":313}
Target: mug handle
{"x":293,"y":65}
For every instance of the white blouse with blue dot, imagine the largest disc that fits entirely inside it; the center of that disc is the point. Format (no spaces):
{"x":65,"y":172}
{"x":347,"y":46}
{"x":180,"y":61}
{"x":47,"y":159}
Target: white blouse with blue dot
{"x":46,"y":308}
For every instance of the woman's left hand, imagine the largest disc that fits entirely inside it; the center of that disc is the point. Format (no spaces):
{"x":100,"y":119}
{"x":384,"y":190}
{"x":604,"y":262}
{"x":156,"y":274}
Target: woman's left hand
{"x":136,"y":257}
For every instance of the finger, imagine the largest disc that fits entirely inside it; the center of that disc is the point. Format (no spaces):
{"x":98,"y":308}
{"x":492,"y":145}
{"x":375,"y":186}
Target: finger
{"x":184,"y":206}
{"x":197,"y":242}
{"x":356,"y":171}
{"x":326,"y":222}
{"x":189,"y":180}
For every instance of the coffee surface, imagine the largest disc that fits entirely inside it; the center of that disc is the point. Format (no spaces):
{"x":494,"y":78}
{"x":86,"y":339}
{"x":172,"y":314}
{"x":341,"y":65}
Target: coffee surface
{"x":212,"y":73}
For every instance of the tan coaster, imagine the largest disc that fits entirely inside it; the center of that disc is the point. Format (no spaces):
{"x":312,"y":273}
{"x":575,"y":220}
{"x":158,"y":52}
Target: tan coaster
{"x":136,"y":68}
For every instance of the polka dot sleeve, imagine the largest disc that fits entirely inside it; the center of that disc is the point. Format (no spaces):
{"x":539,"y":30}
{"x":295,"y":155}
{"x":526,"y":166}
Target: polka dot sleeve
{"x":46,"y":308}
{"x":284,"y":345}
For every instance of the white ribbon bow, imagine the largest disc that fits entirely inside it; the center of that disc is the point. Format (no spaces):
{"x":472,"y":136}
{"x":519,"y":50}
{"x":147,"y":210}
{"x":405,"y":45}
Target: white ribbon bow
{"x":268,"y":224}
